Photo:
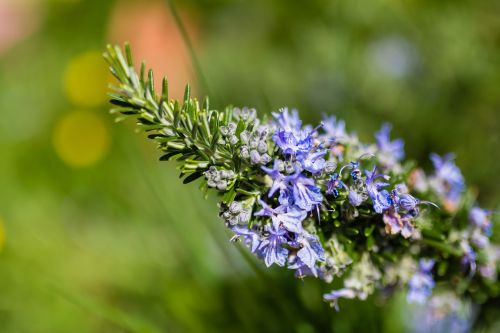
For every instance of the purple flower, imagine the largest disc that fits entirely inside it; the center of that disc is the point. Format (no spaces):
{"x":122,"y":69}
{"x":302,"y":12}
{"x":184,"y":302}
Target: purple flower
{"x":479,"y":239}
{"x":290,"y":136}
{"x":311,"y":250}
{"x":479,"y":218}
{"x":355,"y":172}
{"x":421,"y":284}
{"x":293,"y":143}
{"x":407,"y":202}
{"x":305,"y":193}
{"x":408,"y":228}
{"x":277,"y":177}
{"x":391,"y":150}
{"x":250,"y":236}
{"x":334,"y":128}
{"x":393,"y":222}
{"x":447,"y":181}
{"x":271,"y":248}
{"x":334,"y":184}
{"x":334,"y":296}
{"x":381,"y":199}
{"x":355,"y":198}
{"x":314,"y":161}
{"x":468,"y":257}
{"x":302,"y":270}
{"x":396,"y":223}
{"x":288,"y":122}
{"x":286,"y":197}
{"x":289,"y":218}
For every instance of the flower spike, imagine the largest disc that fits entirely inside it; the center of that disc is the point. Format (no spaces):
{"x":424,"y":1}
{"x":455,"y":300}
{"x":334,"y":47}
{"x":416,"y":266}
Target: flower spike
{"x":283,"y":194}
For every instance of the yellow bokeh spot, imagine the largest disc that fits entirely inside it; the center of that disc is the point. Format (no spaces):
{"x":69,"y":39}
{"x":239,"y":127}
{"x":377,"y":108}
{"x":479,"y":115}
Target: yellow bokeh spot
{"x":86,"y":79}
{"x":81,"y":138}
{"x":2,"y":234}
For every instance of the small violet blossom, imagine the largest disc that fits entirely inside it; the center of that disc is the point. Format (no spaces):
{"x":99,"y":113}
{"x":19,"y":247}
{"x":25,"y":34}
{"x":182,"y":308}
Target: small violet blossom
{"x":334,"y":184}
{"x":396,"y":223}
{"x":250,"y":236}
{"x":288,"y":122}
{"x":390,"y":151}
{"x":468,"y":258}
{"x":289,"y":218}
{"x":277,"y":177}
{"x":314,"y":162}
{"x":289,"y":136}
{"x":334,"y":128}
{"x":408,"y":202}
{"x":421,"y":284}
{"x":305,"y":193}
{"x":381,"y":199}
{"x":271,"y":248}
{"x":447,"y":181}
{"x":310,"y":251}
{"x":355,"y":197}
{"x":334,"y":296}
{"x":479,"y":239}
{"x":479,"y":218}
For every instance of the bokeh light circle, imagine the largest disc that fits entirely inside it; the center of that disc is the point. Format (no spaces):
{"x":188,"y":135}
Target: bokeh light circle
{"x":81,"y":138}
{"x":86,"y":79}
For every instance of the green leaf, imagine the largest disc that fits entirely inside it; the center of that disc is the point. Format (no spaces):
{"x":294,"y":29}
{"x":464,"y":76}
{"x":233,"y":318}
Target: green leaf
{"x":229,"y":196}
{"x":368,"y":230}
{"x":192,"y":177}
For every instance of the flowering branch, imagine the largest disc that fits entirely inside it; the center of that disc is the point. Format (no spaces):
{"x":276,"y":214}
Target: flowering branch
{"x":316,"y":199}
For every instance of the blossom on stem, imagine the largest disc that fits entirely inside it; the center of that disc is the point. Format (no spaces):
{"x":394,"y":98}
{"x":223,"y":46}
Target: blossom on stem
{"x":447,"y":180}
{"x":314,"y":162}
{"x":311,"y":250}
{"x":421,"y":284}
{"x":334,"y":295}
{"x":334,"y":184}
{"x":479,"y":218}
{"x":468,"y":258}
{"x":306,"y":194}
{"x":390,"y":152}
{"x":250,"y":236}
{"x":288,"y":217}
{"x":271,"y":248}
{"x":290,"y":137}
{"x":381,"y":199}
{"x":396,"y":223}
{"x":277,"y":177}
{"x":356,"y":197}
{"x":334,"y":128}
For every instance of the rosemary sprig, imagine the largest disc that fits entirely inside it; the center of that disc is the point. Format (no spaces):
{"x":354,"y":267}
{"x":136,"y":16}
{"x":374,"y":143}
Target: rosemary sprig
{"x":186,"y":131}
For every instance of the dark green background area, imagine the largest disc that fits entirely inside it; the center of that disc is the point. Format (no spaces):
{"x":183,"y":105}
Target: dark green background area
{"x":123,"y":246}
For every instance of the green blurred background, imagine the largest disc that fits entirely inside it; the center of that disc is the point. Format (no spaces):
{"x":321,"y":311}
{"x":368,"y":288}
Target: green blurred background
{"x":97,"y":236}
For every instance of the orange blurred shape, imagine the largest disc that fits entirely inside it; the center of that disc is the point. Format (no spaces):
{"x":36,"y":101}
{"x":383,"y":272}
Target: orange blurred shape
{"x":18,"y":19}
{"x":154,"y":38}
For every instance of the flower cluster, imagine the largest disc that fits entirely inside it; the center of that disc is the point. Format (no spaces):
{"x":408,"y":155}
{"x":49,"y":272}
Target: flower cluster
{"x":319,"y":201}
{"x":294,"y":195}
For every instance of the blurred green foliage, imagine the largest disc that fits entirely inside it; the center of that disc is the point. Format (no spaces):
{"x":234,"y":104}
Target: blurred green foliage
{"x":122,"y":246}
